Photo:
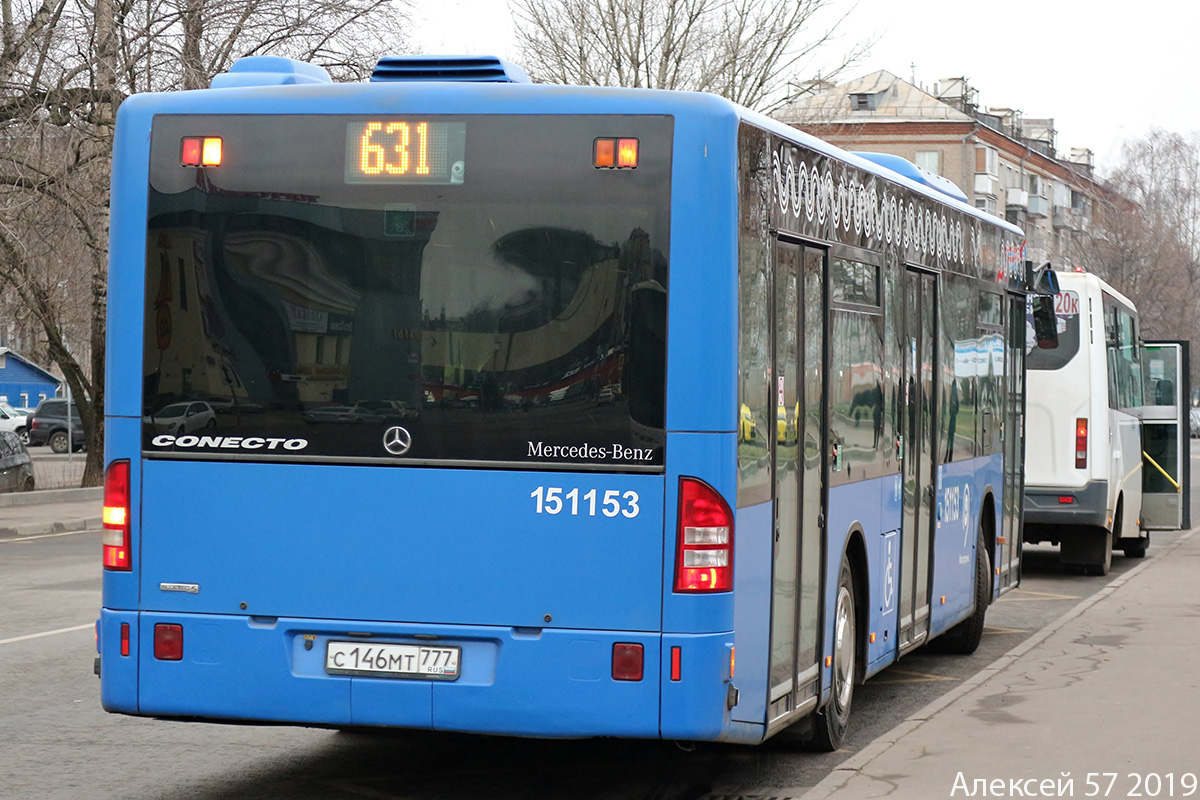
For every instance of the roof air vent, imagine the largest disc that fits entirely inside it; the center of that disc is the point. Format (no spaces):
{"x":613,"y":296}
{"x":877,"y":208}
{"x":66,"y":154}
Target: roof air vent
{"x":488,"y":69}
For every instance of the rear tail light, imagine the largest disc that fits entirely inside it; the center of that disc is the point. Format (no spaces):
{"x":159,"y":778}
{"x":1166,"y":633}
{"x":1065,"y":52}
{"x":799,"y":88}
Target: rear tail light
{"x":116,"y":517}
{"x":704,"y":550}
{"x":1081,"y":443}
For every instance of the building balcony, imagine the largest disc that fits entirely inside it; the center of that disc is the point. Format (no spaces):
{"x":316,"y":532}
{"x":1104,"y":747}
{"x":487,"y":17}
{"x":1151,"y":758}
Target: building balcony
{"x":1038,"y":206}
{"x":1071,"y":219}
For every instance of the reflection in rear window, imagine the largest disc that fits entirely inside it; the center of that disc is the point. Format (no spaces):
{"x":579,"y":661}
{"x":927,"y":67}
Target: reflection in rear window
{"x":514,"y":316}
{"x":1066,"y":310}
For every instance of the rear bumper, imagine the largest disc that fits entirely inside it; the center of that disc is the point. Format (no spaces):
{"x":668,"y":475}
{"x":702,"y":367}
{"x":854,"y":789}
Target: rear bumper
{"x":513,"y":681}
{"x":1089,"y":506}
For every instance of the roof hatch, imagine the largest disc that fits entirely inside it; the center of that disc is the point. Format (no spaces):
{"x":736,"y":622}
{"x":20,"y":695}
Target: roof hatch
{"x":487,"y":69}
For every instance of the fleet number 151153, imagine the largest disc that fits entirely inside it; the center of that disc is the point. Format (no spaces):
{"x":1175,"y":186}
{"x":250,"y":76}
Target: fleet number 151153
{"x":555,"y":500}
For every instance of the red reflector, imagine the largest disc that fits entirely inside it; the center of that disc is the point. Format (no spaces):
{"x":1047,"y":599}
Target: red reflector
{"x":604,"y":153}
{"x":1081,"y":443}
{"x":1065,"y":500}
{"x":168,"y":642}
{"x":704,"y":545}
{"x":676,"y":666}
{"x":190,"y":155}
{"x":115,"y":538}
{"x":125,"y":638}
{"x":627,"y":662}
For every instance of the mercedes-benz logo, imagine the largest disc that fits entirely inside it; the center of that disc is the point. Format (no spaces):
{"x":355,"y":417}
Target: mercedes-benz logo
{"x":397,"y":440}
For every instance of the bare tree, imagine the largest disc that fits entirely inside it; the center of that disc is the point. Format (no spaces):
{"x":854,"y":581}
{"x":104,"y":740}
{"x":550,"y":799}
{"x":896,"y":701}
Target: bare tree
{"x":745,"y":50}
{"x":65,"y":67}
{"x":1148,"y":247}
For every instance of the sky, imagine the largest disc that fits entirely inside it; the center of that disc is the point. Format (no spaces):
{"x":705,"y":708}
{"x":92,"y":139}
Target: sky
{"x":1106,"y":71}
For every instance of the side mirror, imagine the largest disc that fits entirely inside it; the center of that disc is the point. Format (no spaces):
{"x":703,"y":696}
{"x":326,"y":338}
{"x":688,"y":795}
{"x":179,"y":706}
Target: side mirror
{"x":1045,"y":323}
{"x":1042,"y":280}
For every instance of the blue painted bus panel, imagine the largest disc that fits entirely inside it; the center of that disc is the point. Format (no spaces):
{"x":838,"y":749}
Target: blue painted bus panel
{"x":232,"y":669}
{"x":753,"y":546}
{"x":558,"y":683}
{"x":119,"y":687}
{"x":127,"y":262}
{"x":121,"y":439}
{"x":513,"y":682}
{"x":696,"y":706}
{"x":711,"y":458}
{"x":452,"y":546}
{"x":702,"y":310}
{"x":854,"y":509}
{"x":962,"y":487}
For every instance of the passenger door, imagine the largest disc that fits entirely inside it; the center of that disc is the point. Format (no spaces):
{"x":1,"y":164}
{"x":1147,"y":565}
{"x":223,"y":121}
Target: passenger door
{"x":1166,"y":467}
{"x":799,"y":437}
{"x":919,"y":432}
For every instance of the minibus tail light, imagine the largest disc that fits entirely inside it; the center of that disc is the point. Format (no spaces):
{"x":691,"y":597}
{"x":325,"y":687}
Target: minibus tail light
{"x":116,"y":517}
{"x":1081,"y":443}
{"x":704,"y":549}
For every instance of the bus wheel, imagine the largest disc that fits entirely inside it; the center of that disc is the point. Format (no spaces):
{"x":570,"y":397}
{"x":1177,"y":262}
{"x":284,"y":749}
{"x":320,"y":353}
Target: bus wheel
{"x":831,"y":722}
{"x":1135,"y":548}
{"x":963,"y":639}
{"x":1102,"y":566}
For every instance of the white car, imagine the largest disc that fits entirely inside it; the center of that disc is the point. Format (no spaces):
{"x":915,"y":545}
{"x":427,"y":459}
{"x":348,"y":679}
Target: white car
{"x":185,"y":417}
{"x":13,"y":420}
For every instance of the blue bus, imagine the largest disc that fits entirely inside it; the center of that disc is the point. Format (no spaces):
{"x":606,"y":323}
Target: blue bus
{"x":451,"y":401}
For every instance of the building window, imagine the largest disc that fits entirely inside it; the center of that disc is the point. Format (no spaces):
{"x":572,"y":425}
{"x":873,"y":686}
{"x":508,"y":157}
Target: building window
{"x":864,"y":101}
{"x":987,"y":160}
{"x":986,"y":203}
{"x":930,"y":161}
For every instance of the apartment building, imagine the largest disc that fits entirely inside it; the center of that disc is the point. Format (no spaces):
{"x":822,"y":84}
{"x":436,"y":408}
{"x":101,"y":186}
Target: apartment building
{"x":1006,"y":163}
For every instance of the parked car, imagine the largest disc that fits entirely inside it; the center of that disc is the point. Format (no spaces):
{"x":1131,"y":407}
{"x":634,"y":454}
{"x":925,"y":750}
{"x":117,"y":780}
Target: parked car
{"x":234,"y":405}
{"x":48,"y":425}
{"x":185,"y":417}
{"x":16,"y":467}
{"x":1194,"y":419}
{"x":12,"y":419}
{"x":388,"y":409}
{"x":342,"y":414}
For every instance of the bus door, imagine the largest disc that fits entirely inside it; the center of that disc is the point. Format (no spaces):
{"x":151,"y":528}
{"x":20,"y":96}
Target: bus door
{"x":1008,"y":559}
{"x":918,"y":455}
{"x":799,"y":434}
{"x":1166,"y":467}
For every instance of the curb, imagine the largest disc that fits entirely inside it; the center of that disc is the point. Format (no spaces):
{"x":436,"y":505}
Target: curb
{"x":41,"y":528}
{"x":41,"y":496}
{"x":840,"y":776}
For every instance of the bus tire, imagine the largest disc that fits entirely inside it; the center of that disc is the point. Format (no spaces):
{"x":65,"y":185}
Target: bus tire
{"x":831,"y":722}
{"x":1105,"y":548}
{"x":1135,"y":548}
{"x":964,"y":638}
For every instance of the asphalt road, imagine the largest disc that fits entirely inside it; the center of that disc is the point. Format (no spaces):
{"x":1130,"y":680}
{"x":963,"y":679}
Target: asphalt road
{"x":58,"y":743}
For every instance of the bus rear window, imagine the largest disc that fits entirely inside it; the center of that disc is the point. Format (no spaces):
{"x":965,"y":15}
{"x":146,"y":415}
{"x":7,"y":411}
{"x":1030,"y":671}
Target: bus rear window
{"x":466,"y":291}
{"x":1066,"y":309}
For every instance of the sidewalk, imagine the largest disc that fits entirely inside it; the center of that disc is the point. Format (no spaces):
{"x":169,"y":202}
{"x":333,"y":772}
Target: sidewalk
{"x":50,"y":511}
{"x":1111,"y":687}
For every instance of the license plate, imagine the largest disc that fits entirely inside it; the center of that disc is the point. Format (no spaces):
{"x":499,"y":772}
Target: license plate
{"x":392,"y":660}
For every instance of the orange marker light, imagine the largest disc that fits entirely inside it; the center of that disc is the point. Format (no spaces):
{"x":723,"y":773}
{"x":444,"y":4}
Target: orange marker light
{"x":627,"y":153}
{"x":604,"y":153}
{"x":211,"y":156}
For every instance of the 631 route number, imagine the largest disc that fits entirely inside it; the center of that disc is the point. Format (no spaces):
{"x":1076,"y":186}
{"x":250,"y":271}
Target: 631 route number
{"x":552,"y":500}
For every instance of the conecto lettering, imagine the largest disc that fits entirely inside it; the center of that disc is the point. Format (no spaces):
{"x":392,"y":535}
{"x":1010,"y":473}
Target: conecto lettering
{"x":229,"y":442}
